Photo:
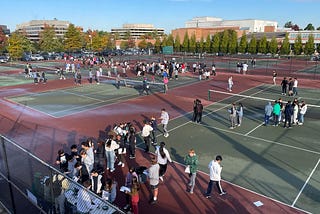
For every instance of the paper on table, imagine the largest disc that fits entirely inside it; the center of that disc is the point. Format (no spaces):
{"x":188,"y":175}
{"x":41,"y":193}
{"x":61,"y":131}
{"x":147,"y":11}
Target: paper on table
{"x":258,"y":203}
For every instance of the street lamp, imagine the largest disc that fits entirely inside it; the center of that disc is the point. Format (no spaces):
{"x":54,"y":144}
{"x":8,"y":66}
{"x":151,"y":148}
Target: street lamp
{"x":90,"y":36}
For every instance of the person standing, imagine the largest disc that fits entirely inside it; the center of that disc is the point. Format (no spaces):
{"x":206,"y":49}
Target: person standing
{"x":303,"y":110}
{"x":199,"y":107}
{"x":290,"y":87}
{"x":230,"y":84}
{"x":274,"y":77}
{"x":215,"y":176}
{"x":192,"y":160}
{"x":164,"y":121}
{"x":154,"y":125}
{"x":154,"y":179}
{"x":295,"y":87}
{"x":239,"y":114}
{"x":163,"y":157}
{"x":276,"y":113}
{"x":132,"y":142}
{"x":84,"y":201}
{"x":194,"y":116}
{"x":145,"y":133}
{"x":267,"y":113}
{"x":232,"y":115}
{"x":288,"y":112}
{"x":284,"y":85}
{"x":214,"y":69}
{"x":110,"y":148}
{"x":90,"y":76}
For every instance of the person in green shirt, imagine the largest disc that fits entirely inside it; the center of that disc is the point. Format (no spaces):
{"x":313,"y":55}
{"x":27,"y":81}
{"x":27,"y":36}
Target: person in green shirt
{"x":192,"y":161}
{"x":276,"y":113}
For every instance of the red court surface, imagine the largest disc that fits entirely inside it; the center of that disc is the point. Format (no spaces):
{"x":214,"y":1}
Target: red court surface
{"x":44,"y":135}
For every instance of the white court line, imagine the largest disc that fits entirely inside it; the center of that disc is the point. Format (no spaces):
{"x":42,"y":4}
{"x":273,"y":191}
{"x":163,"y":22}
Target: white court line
{"x":246,"y":134}
{"x":305,"y":183}
{"x":80,"y":95}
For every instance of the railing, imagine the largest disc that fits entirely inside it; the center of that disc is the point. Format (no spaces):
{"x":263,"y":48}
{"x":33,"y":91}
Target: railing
{"x":28,"y":184}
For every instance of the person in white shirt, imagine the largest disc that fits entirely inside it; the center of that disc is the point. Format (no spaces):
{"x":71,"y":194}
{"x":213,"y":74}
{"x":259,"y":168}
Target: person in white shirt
{"x":110,"y":147}
{"x":295,"y":87}
{"x":164,"y":121}
{"x":145,"y":133}
{"x":230,"y":84}
{"x":303,"y":110}
{"x":84,"y":202}
{"x":244,"y":68}
{"x":163,"y":157}
{"x":215,"y":176}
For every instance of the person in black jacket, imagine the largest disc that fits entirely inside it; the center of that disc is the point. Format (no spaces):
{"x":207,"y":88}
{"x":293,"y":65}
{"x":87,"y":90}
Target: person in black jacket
{"x":288,"y":111}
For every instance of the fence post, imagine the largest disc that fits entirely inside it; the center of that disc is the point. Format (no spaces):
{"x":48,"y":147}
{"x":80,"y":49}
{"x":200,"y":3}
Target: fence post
{"x":5,"y":159}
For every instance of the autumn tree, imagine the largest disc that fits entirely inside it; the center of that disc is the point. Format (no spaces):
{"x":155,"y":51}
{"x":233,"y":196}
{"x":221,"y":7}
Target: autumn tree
{"x":157,"y":45}
{"x":3,"y":40}
{"x":18,"y":45}
{"x":142,"y":44}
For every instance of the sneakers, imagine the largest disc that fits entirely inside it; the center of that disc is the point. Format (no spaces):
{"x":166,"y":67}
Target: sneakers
{"x":161,"y":178}
{"x":112,"y":170}
{"x":153,"y":202}
{"x":120,"y":163}
{"x":223,"y":193}
{"x":132,"y":157}
{"x":166,"y":135}
{"x":208,"y":196}
{"x":126,"y":207}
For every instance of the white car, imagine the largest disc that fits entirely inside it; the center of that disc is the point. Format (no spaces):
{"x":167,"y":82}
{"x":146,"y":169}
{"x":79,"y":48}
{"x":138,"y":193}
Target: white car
{"x":3,"y":59}
{"x":36,"y":57}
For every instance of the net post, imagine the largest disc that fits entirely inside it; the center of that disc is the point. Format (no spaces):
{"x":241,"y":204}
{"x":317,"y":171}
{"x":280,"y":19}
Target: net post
{"x":209,"y":95}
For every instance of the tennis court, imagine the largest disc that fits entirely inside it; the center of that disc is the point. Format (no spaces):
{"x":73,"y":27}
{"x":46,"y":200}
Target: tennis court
{"x":279,"y":163}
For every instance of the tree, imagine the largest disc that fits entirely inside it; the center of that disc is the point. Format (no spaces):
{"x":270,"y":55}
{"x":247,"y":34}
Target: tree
{"x":200,"y":45}
{"x":157,"y":45}
{"x":207,"y":45}
{"x":73,"y":39}
{"x":170,"y":40}
{"x":288,"y":24}
{"x":3,"y":40}
{"x":177,"y":44}
{"x":309,"y":46}
{"x":318,"y":28}
{"x":131,"y":43}
{"x":233,"y":42}
{"x":273,"y":45}
{"x":215,"y":44}
{"x":285,"y":46}
{"x":252,"y":47}
{"x":192,"y":44}
{"x":124,"y":44}
{"x":298,"y":48}
{"x":18,"y":45}
{"x":49,"y":41}
{"x":309,"y":27}
{"x":262,"y":47}
{"x":295,"y":27}
{"x":243,"y":43}
{"x":224,"y":42}
{"x":142,"y":44}
{"x":185,"y":43}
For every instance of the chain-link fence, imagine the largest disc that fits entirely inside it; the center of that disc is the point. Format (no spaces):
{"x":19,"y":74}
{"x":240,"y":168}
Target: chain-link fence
{"x":30,"y":185}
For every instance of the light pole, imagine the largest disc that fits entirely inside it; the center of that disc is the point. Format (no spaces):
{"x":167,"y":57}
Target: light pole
{"x":90,"y":36}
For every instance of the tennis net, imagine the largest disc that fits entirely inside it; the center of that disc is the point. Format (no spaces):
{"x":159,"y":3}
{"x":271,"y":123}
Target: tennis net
{"x":152,"y":86}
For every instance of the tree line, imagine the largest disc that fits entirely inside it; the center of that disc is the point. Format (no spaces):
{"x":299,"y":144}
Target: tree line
{"x":225,"y":42}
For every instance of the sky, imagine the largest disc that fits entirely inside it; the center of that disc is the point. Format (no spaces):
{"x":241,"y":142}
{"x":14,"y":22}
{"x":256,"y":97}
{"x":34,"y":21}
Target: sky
{"x":168,"y":14}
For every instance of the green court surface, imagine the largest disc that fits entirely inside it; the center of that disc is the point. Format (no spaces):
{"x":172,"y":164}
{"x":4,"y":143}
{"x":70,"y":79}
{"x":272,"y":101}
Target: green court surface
{"x":63,"y":102}
{"x":277,"y":162}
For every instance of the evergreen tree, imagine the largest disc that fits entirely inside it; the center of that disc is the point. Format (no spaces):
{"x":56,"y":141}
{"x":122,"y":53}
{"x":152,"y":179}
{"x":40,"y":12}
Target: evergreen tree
{"x":243,"y":43}
{"x":215,"y":44}
{"x":224,"y":42}
{"x":207,"y":45}
{"x":72,"y":39}
{"x":262,"y":48}
{"x":185,"y":45}
{"x":177,"y":44}
{"x":309,"y":47}
{"x":192,"y":44}
{"x":273,"y":46}
{"x":309,"y":27}
{"x":233,"y":42}
{"x":252,"y":47}
{"x":200,"y":45}
{"x":170,"y":40}
{"x":298,"y":48}
{"x":285,"y":46}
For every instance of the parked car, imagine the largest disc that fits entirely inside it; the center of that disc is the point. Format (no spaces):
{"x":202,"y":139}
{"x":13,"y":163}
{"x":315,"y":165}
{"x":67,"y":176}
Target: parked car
{"x":36,"y":57}
{"x":3,"y":59}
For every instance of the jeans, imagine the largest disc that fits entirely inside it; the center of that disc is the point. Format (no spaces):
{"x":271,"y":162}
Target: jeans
{"x":295,"y":90}
{"x":301,"y":118}
{"x":192,"y":181}
{"x":266,"y":119}
{"x":110,"y":159}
